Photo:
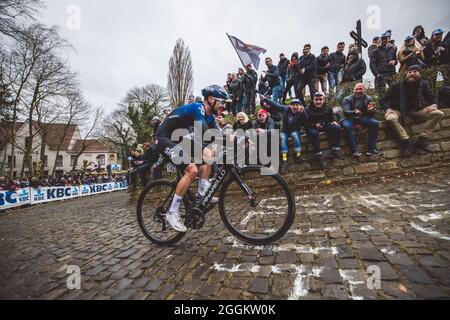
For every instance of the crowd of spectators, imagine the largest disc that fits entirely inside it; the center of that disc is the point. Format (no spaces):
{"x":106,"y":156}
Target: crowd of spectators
{"x":336,"y":73}
{"x":339,"y":102}
{"x":64,"y":181}
{"x":141,"y":160}
{"x":405,"y":85}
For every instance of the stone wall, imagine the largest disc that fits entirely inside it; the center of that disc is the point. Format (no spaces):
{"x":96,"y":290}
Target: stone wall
{"x":348,"y":169}
{"x":389,"y":164}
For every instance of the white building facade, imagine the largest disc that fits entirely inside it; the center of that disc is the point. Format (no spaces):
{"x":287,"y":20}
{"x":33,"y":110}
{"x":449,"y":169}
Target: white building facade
{"x":60,"y":136}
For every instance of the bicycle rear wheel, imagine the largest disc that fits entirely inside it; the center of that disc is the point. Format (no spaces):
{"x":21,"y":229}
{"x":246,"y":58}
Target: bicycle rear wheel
{"x":153,"y":205}
{"x":268,"y":218}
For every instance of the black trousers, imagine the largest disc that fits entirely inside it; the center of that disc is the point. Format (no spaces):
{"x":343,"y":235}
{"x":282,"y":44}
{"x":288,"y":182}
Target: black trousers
{"x":302,"y":84}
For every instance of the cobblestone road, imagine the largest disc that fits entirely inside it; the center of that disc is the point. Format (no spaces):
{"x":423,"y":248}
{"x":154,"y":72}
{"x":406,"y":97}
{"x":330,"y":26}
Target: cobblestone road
{"x":402,"y":226}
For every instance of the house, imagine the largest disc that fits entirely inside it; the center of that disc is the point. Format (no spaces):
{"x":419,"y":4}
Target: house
{"x":65,"y":138}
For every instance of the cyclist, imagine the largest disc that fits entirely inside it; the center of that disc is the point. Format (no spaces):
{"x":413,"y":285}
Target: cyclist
{"x":183,"y":118}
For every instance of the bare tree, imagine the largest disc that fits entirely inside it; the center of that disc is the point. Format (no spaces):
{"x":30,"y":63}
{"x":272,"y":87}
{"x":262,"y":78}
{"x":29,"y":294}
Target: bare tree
{"x":118,"y":132}
{"x":77,"y":111}
{"x":141,"y":105}
{"x":55,"y":105}
{"x":15,"y":12}
{"x":35,"y":70}
{"x":48,"y":83}
{"x":180,"y":79}
{"x":151,"y":94}
{"x":92,"y":133}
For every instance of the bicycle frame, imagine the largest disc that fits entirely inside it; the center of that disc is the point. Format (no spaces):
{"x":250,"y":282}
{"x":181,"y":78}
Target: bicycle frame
{"x":221,"y":173}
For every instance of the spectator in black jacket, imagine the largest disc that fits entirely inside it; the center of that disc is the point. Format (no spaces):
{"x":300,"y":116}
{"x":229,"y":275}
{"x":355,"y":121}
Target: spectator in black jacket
{"x":408,"y":97}
{"x":323,"y":65}
{"x":322,"y":119}
{"x":134,"y":162}
{"x":249,"y":81}
{"x":292,"y":77}
{"x":337,"y":66}
{"x":237,"y":92}
{"x":354,"y":70}
{"x":151,"y":160}
{"x":240,"y":74}
{"x":437,"y":57}
{"x":383,"y":62}
{"x":263,"y":87}
{"x":307,"y":68}
{"x":283,"y":67}
{"x":293,"y":118}
{"x":436,"y":53}
{"x":272,"y":75}
{"x":375,"y":44}
{"x":359,"y":108}
{"x":227,"y":83}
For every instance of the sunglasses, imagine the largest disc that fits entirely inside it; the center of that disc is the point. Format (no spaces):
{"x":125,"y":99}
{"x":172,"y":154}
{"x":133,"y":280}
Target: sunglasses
{"x":221,"y":101}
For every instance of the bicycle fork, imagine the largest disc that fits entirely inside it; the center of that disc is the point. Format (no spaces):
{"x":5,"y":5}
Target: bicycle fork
{"x":237,"y":177}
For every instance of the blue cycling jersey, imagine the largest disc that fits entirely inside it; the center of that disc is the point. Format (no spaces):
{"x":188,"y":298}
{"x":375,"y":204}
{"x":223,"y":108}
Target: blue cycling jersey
{"x":184,"y":118}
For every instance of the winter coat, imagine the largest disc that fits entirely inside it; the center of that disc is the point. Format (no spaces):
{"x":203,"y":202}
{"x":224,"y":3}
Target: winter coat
{"x":379,"y":61}
{"x":290,"y":121}
{"x":338,"y":60}
{"x":354,"y":71}
{"x":283,"y":67}
{"x":322,"y":61}
{"x":351,"y":103}
{"x":308,"y":63}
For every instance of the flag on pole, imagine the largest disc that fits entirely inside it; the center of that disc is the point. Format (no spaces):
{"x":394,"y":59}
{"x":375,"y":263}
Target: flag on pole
{"x":247,"y":53}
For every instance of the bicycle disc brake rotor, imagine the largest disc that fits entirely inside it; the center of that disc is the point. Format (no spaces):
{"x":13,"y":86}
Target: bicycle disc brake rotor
{"x":195,"y":219}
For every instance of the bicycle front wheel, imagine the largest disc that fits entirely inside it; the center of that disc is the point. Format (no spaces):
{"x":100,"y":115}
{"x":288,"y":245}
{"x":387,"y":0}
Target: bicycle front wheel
{"x":266,"y":217}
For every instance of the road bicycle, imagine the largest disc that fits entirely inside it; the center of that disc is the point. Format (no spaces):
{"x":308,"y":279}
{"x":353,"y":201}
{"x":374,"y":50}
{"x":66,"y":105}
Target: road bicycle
{"x":257,"y":209}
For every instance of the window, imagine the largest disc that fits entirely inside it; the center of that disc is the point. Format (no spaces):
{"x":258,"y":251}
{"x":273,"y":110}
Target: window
{"x":45,"y":161}
{"x":27,"y":160}
{"x":73,"y":161}
{"x":10,"y":162}
{"x":27,"y":141}
{"x":59,"y":161}
{"x":101,"y":159}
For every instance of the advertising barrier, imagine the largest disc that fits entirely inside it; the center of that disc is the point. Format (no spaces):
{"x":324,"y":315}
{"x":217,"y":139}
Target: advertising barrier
{"x":30,"y":196}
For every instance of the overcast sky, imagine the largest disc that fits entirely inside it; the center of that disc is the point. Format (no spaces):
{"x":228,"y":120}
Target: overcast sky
{"x":121,"y":44}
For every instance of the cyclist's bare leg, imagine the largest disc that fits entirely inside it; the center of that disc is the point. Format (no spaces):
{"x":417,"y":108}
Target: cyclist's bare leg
{"x":205,"y":170}
{"x":186,"y":181}
{"x":173,"y":217}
